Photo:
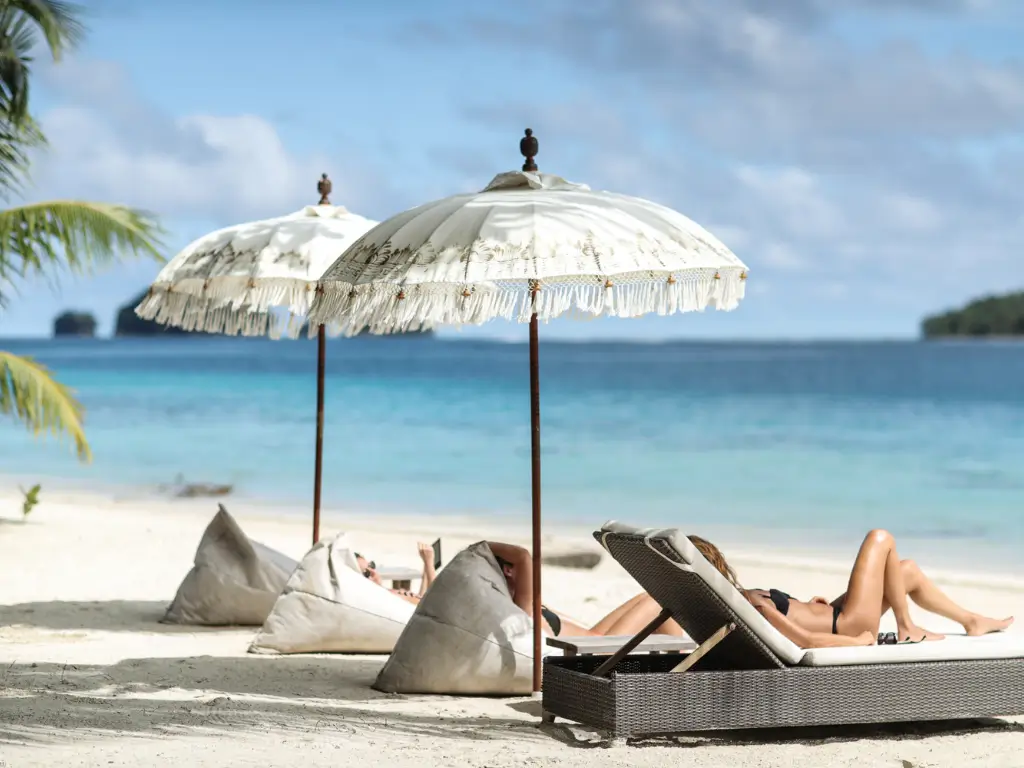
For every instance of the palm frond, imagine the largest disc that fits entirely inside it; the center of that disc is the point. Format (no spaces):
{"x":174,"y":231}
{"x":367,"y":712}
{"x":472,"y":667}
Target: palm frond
{"x":58,"y":20}
{"x":21,"y":23}
{"x":17,"y":39}
{"x":16,"y":142}
{"x":44,"y":239}
{"x":45,"y":406}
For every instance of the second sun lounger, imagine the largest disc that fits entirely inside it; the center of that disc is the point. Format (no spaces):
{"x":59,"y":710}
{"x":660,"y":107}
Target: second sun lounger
{"x":745,"y":674}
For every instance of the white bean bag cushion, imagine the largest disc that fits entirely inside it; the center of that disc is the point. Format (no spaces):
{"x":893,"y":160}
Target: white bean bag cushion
{"x":234,"y":581}
{"x":466,"y":635}
{"x":329,"y":606}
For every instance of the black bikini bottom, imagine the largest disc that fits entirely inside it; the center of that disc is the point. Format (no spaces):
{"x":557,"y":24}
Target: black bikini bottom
{"x":552,"y":619}
{"x":836,"y":610}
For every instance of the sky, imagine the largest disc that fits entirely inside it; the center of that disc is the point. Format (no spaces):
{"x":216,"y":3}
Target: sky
{"x":864,"y":158}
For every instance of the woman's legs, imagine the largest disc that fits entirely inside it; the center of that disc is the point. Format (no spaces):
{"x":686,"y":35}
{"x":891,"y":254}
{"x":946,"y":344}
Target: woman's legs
{"x":571,"y":629}
{"x":876,"y":583}
{"x":608,"y":621}
{"x":638,"y":613}
{"x":628,"y":619}
{"x":923,"y":591}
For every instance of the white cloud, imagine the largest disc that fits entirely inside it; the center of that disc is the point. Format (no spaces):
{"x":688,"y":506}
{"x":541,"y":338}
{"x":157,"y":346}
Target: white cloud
{"x":795,"y":198}
{"x":108,"y":143}
{"x":880,"y":161}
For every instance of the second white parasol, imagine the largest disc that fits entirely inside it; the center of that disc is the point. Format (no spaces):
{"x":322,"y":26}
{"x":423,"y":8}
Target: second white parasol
{"x":258,"y":279}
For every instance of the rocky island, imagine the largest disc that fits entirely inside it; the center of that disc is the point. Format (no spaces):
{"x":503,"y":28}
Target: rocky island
{"x":986,"y":316}
{"x":127,"y":323}
{"x":81,"y":324}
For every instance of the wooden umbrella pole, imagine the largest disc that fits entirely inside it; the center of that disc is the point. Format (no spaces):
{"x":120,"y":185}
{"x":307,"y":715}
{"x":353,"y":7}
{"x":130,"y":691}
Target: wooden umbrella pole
{"x":535,"y":473}
{"x":324,"y":187}
{"x":528,"y":147}
{"x":321,"y":359}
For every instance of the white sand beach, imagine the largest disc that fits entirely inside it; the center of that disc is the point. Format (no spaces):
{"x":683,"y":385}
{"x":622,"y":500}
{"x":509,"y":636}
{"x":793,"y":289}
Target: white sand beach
{"x":90,"y":678}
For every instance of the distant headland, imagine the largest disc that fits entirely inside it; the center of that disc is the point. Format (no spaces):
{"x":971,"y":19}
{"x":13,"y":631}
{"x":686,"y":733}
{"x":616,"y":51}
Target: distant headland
{"x":986,"y":316}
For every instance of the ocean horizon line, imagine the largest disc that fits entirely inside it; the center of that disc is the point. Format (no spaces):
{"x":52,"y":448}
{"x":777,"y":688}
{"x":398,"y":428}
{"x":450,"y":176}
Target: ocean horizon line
{"x":454,"y":336}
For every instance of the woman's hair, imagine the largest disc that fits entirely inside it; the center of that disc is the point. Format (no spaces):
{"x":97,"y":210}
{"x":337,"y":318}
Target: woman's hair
{"x":714,"y":556}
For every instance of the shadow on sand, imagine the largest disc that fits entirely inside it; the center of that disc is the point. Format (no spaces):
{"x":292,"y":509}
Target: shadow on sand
{"x":584,"y":737}
{"x":55,"y":703}
{"x":50,"y":703}
{"x":106,"y":615}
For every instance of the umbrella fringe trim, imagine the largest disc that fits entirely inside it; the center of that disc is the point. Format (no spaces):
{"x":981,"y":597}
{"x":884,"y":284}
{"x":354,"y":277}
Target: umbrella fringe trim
{"x":230,"y":308}
{"x":390,"y":307}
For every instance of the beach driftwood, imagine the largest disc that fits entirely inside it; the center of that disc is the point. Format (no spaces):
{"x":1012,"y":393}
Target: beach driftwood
{"x":183,"y":490}
{"x":195,"y":490}
{"x":583,"y":560}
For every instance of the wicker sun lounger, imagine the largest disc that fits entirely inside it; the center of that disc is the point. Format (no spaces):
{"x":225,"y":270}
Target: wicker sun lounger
{"x":745,"y":674}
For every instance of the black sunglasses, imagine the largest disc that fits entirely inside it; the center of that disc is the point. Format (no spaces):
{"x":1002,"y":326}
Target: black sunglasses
{"x":370,"y":567}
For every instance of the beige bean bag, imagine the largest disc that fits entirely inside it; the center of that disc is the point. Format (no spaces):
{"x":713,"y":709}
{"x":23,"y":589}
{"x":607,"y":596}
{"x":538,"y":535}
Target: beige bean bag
{"x":234,"y":581}
{"x":329,"y":606}
{"x":466,"y":635}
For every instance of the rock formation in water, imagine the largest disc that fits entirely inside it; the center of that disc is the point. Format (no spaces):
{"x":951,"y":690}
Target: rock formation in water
{"x":75,"y":324}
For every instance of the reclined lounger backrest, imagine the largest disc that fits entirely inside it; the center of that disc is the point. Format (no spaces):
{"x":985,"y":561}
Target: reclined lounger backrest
{"x":676,"y":575}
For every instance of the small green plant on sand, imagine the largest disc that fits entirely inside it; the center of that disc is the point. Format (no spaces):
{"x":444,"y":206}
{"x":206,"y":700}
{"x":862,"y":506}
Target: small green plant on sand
{"x":30,"y":500}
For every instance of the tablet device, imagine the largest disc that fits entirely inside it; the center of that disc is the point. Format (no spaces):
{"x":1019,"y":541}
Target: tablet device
{"x":437,"y":554}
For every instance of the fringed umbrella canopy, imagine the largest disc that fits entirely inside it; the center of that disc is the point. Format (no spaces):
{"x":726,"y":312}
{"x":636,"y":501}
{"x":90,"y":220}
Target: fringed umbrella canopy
{"x":229,"y":280}
{"x":529,"y":243}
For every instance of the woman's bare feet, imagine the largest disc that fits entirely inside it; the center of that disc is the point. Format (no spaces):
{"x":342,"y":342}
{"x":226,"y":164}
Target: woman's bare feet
{"x":982,"y":625}
{"x":915,"y":634}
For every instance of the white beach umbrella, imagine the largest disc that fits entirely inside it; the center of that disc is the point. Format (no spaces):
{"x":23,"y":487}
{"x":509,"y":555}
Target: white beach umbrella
{"x":258,"y":279}
{"x":529,"y":247}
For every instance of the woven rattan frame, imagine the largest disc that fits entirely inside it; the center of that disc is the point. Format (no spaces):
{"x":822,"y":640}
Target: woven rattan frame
{"x":742,"y":684}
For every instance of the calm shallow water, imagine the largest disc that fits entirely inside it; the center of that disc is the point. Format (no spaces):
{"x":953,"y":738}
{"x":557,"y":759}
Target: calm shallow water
{"x":924,"y":439}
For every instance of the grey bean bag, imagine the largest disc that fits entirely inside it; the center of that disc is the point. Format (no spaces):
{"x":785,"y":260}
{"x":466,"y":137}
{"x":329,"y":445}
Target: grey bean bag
{"x":466,"y":635}
{"x":329,"y":606}
{"x":234,"y":581}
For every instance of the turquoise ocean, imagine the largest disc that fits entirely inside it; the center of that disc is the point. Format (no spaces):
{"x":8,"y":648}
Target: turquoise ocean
{"x":816,"y":440}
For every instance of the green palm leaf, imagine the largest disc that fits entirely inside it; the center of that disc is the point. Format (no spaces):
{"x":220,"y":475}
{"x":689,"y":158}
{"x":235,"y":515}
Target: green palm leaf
{"x":58,"y":21}
{"x":45,"y":406}
{"x":43,"y":238}
{"x":21,"y":22}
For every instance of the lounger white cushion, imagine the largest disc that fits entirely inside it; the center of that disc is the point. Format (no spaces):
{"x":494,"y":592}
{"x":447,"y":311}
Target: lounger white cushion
{"x":465,"y":637}
{"x":952,"y":648}
{"x":999,"y":645}
{"x":329,"y":606}
{"x":234,"y":580}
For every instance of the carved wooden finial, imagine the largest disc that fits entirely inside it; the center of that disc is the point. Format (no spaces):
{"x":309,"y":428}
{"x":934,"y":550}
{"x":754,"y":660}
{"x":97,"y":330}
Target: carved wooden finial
{"x":528,"y":147}
{"x":324,"y":188}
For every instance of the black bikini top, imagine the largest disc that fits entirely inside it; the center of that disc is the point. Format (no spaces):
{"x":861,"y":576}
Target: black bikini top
{"x":780,"y":598}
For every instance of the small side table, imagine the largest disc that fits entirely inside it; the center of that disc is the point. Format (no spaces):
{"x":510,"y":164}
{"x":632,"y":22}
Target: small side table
{"x":400,"y":578}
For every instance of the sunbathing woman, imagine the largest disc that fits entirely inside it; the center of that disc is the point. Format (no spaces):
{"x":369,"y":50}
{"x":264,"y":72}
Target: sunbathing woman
{"x":426,"y":552}
{"x":880,"y":581}
{"x":628,"y":619}
{"x":516,"y":564}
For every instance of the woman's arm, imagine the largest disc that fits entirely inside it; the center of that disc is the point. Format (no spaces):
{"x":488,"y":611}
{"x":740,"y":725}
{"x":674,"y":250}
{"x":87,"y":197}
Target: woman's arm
{"x":522,"y":564}
{"x":429,"y":574}
{"x":802,"y":637}
{"x":428,"y":578}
